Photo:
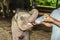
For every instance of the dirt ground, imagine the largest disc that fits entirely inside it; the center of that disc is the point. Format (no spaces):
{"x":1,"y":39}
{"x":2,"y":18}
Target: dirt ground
{"x":5,"y":32}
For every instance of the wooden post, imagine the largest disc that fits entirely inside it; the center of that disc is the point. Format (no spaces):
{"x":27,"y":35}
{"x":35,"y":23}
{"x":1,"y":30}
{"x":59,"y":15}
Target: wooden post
{"x":56,"y":3}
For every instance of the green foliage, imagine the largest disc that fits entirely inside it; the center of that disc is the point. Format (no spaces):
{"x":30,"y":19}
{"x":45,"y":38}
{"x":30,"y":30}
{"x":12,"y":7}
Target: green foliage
{"x":51,"y":3}
{"x":31,"y":2}
{"x":59,"y":2}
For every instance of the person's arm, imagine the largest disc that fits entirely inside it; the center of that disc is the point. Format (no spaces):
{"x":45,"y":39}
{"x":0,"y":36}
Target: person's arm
{"x":43,"y":23}
{"x":48,"y":18}
{"x":40,"y":20}
{"x":56,"y":22}
{"x":47,"y":24}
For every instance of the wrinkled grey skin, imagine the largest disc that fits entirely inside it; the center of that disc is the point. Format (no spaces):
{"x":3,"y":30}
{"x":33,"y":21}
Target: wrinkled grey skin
{"x":19,"y":20}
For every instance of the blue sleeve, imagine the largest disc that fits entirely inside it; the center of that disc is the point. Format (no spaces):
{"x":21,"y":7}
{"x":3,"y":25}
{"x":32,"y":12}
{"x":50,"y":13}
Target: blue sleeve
{"x":56,"y":14}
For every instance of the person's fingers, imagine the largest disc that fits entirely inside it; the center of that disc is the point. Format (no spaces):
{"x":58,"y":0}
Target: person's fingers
{"x":46,"y":17}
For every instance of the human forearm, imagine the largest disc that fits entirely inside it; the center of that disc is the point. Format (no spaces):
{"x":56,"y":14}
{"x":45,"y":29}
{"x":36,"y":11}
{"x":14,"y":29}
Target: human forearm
{"x":37,"y":22}
{"x":56,"y":22}
{"x":46,"y":24}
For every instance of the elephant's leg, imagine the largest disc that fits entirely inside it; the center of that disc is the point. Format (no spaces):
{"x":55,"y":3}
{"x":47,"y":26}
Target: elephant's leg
{"x":26,"y":36}
{"x":15,"y":37}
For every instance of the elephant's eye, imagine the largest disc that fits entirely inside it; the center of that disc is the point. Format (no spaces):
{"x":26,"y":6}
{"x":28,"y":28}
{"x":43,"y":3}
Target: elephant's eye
{"x":22,"y":18}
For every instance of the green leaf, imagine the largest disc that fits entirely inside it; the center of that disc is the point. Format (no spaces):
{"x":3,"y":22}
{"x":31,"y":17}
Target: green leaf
{"x":49,"y":0}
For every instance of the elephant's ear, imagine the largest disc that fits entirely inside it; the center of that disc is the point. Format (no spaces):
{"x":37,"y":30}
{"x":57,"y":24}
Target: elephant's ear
{"x":15,"y":17}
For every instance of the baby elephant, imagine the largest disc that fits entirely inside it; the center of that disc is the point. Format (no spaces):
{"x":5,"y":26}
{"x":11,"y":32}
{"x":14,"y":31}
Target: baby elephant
{"x":21,"y":23}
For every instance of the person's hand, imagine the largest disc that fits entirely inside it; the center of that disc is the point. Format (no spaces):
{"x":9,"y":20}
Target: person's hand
{"x":48,"y":18}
